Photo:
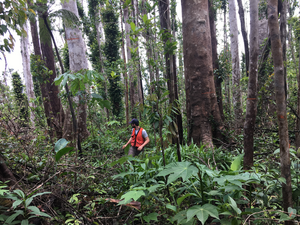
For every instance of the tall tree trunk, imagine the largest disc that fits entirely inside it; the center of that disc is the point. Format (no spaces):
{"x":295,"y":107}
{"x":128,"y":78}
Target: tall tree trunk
{"x":281,"y":104}
{"x":48,"y":57}
{"x":198,"y":67}
{"x":283,"y":36}
{"x":236,"y":76}
{"x":298,"y":106}
{"x":244,"y":33}
{"x":216,"y":101}
{"x":214,"y":43}
{"x":25,"y":50}
{"x":149,"y":44}
{"x":135,"y":14}
{"x":251,"y":110}
{"x":44,"y":90}
{"x":132,"y":88}
{"x":78,"y":61}
{"x":125,"y":72}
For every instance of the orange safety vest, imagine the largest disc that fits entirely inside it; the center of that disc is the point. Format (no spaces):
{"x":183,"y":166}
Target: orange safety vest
{"x":137,"y":140}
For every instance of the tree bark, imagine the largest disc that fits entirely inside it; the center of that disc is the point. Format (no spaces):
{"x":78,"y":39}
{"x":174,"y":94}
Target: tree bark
{"x":236,"y":76}
{"x":283,"y":36}
{"x":281,"y":104}
{"x":198,"y":68}
{"x":251,"y":109}
{"x":244,"y":33}
{"x":78,"y":61}
{"x":298,"y":106}
{"x":44,"y":90}
{"x":135,"y":14}
{"x":48,"y":57}
{"x":216,"y":100}
{"x":125,"y":70}
{"x":25,"y":50}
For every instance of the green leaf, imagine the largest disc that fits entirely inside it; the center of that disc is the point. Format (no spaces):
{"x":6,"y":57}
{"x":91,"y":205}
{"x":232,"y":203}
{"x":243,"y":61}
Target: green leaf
{"x":284,"y":217}
{"x":202,"y":212}
{"x":60,"y":144}
{"x":135,"y":195}
{"x":233,"y":204}
{"x":24,"y":222}
{"x":151,"y":216}
{"x":292,"y":212}
{"x":121,"y":161}
{"x":180,"y":200}
{"x":282,"y":180}
{"x":34,"y":209}
{"x":20,"y":193}
{"x":133,"y":27}
{"x":179,"y":169}
{"x":236,"y":164}
{"x":17,"y":203}
{"x":62,"y":152}
{"x":127,"y":3}
{"x":145,"y":19}
{"x":126,"y":149}
{"x":13,"y":217}
{"x":172,"y":207}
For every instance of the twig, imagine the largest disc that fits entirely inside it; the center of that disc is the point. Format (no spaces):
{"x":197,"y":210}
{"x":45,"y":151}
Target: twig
{"x":39,"y":186}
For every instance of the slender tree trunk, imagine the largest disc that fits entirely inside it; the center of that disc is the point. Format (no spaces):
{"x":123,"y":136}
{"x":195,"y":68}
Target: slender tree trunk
{"x":25,"y":50}
{"x":148,"y":43}
{"x":135,"y":14}
{"x":132,"y":89}
{"x":78,"y":61}
{"x":244,"y":33}
{"x":125,"y":71}
{"x":281,"y":104}
{"x":44,"y":91}
{"x":298,"y":106}
{"x":198,"y":67}
{"x":251,"y":110}
{"x":236,"y":91}
{"x":283,"y":36}
{"x":48,"y":56}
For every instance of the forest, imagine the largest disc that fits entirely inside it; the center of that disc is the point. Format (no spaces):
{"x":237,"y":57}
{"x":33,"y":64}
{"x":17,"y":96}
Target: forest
{"x":214,"y":83}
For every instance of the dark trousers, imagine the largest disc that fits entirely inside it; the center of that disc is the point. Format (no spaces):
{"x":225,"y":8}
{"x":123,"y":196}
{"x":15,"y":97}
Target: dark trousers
{"x":133,"y":151}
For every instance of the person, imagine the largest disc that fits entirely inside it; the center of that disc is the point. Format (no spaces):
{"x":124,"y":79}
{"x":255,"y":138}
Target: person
{"x":138,"y":140}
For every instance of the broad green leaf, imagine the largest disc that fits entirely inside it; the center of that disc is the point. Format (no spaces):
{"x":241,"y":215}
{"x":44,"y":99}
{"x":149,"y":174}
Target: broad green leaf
{"x":233,"y":204}
{"x":20,"y":193}
{"x":94,"y":95}
{"x":151,"y":216}
{"x":282,"y":180}
{"x":284,"y":217}
{"x":13,"y":217}
{"x":60,"y":144}
{"x":17,"y":203}
{"x":145,"y":19}
{"x":62,"y":152}
{"x":179,"y":169}
{"x":121,"y":161}
{"x":24,"y":222}
{"x":106,"y":104}
{"x":34,"y":209}
{"x":126,"y":150}
{"x":135,"y":195}
{"x":154,"y":187}
{"x":236,"y":164}
{"x":172,"y":207}
{"x":202,"y":212}
{"x":133,"y":27}
{"x":292,"y":212}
